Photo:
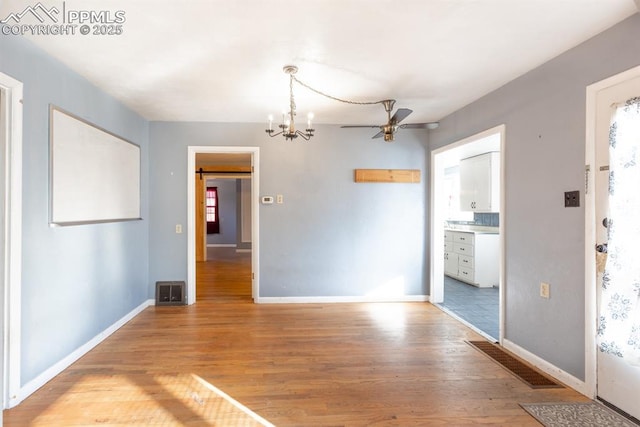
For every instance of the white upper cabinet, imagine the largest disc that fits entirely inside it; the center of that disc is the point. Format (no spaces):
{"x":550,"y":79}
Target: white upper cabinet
{"x":480,"y":183}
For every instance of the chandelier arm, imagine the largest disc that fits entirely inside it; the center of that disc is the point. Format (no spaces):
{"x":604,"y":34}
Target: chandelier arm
{"x":346,"y":101}
{"x":305,"y":136}
{"x":271,"y":133}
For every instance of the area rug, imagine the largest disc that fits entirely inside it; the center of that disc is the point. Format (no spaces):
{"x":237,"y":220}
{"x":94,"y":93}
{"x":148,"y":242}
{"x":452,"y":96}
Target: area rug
{"x":578,"y":414}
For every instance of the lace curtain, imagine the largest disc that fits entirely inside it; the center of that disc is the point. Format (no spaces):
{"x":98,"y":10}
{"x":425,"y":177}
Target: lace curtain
{"x":619,"y":317}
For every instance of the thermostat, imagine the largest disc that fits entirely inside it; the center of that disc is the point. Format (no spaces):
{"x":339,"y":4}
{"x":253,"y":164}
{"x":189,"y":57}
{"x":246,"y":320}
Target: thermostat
{"x":267,"y":200}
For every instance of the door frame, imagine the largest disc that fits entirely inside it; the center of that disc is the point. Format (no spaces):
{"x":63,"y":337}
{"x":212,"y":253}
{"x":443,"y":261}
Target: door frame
{"x":591,"y":313}
{"x":192,"y":151}
{"x":12,"y":223}
{"x":437,"y":219}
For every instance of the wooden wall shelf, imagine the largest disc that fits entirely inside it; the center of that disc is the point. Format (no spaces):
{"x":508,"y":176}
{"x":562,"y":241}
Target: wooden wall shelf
{"x":388,"y":175}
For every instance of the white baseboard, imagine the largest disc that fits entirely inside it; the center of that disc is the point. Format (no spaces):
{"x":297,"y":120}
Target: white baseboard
{"x":546,"y":367}
{"x":324,"y":300}
{"x":47,"y":375}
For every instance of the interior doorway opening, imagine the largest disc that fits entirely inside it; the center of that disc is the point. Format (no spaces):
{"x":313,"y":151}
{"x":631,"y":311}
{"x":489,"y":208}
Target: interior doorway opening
{"x":467,"y":256}
{"x":224,"y":275}
{"x":239,"y":164}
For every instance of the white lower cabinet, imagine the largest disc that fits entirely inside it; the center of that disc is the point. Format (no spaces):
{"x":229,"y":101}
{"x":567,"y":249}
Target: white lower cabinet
{"x":451,"y":263}
{"x":472,"y":257}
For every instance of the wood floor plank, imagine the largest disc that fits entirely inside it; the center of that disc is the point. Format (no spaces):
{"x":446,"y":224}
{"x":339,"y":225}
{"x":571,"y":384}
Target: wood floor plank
{"x":403,"y":364}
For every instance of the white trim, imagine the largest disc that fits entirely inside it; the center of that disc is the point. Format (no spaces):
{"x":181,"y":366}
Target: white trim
{"x":13,"y":243}
{"x":590,"y":311}
{"x":436,"y":221}
{"x":192,"y":150}
{"x":436,"y":230}
{"x":331,"y":300}
{"x":221,"y":245}
{"x":546,"y":367}
{"x":54,"y":370}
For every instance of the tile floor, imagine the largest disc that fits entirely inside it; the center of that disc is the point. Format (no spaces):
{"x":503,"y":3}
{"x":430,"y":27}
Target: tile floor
{"x":478,"y":306}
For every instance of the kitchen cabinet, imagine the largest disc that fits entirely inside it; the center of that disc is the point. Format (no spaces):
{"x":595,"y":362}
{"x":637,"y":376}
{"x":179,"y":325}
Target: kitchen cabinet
{"x":480,"y":183}
{"x":451,"y":260}
{"x":472,"y":257}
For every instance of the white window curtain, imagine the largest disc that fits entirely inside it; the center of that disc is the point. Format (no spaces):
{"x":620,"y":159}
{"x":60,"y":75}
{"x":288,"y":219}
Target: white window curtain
{"x":619,"y":316}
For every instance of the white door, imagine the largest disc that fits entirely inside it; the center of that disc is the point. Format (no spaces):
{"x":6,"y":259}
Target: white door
{"x":3,"y":147}
{"x":618,"y":376}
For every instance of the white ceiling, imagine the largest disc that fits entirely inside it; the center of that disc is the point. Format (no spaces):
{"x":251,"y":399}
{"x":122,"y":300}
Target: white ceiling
{"x":222,"y":60}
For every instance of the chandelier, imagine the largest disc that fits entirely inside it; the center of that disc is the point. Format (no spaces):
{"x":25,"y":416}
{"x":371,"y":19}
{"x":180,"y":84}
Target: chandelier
{"x":288,"y":127}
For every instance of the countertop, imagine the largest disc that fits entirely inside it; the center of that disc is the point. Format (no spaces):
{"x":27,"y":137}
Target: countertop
{"x":476,"y":229}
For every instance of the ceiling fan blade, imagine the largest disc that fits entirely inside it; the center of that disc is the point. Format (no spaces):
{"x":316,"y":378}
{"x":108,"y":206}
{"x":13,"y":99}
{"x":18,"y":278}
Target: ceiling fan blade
{"x":400,"y":115}
{"x":378,"y":135}
{"x":360,"y":126}
{"x":414,"y":126}
{"x":428,"y":125}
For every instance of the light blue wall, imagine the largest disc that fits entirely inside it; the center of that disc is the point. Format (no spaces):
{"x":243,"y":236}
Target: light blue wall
{"x":544,"y":113}
{"x":228,"y":218}
{"x":76,"y":281}
{"x":331,"y":237}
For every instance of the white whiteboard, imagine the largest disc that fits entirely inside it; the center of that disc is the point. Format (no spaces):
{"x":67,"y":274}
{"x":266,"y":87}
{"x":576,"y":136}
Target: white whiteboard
{"x":95,"y":175}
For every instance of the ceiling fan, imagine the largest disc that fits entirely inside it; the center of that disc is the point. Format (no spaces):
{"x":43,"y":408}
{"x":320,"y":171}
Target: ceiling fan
{"x":389,"y":129}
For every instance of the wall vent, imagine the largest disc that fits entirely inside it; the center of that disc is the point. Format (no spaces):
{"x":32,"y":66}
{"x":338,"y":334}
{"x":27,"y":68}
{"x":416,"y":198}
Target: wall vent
{"x":170,"y":293}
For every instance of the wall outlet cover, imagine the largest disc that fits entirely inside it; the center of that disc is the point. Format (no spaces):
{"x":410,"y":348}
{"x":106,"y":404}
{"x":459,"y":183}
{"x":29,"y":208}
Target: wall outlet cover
{"x":544,"y":290}
{"x":571,"y":199}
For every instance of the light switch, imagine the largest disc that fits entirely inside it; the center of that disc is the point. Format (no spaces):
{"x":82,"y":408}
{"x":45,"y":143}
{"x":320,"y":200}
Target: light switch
{"x":571,"y":199}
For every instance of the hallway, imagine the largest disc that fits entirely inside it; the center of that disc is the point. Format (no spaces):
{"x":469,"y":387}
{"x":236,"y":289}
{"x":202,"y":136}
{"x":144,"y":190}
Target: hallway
{"x":225,"y":276}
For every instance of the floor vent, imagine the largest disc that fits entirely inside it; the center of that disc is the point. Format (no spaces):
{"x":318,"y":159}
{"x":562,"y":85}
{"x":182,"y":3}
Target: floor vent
{"x":170,"y":293}
{"x":527,"y":374}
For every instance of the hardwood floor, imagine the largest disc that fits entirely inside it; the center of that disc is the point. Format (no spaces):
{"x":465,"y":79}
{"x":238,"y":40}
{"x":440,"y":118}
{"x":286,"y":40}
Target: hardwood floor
{"x":225,"y":277}
{"x":364,"y":364}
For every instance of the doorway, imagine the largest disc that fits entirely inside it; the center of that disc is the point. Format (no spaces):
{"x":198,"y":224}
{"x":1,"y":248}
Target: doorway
{"x":612,"y":311}
{"x":196,"y":236}
{"x":224,"y":273}
{"x":477,"y":303}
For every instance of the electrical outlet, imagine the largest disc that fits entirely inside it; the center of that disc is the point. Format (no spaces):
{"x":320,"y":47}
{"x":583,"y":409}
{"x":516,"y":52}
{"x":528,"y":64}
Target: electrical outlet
{"x":544,"y":290}
{"x":280,"y":199}
{"x":178,"y":228}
